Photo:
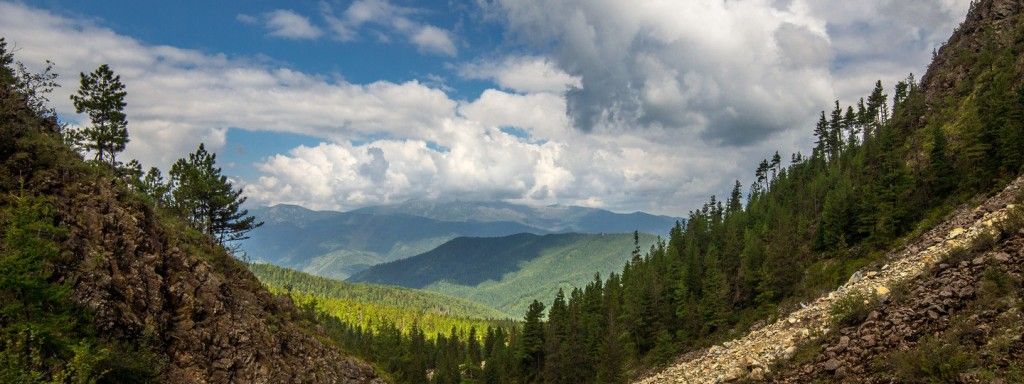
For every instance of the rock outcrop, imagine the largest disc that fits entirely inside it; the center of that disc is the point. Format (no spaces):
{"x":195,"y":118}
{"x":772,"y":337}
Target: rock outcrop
{"x":186,"y":297}
{"x":929,"y":305}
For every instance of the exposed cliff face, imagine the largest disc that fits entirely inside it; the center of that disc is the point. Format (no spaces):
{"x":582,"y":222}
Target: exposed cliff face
{"x":152,"y":284}
{"x":207,"y":313}
{"x":990,"y":26}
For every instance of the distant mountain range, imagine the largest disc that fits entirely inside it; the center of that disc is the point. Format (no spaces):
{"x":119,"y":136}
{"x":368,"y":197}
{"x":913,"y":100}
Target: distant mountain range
{"x":339,"y":244}
{"x":553,"y":218}
{"x":509,"y":272}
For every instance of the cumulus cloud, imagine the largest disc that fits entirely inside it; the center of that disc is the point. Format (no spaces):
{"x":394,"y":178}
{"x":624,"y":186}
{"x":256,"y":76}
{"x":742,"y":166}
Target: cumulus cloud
{"x":883,"y":39}
{"x":522,"y":74}
{"x":736,"y":72}
{"x":394,"y":19}
{"x":179,"y":97}
{"x":285,"y":24}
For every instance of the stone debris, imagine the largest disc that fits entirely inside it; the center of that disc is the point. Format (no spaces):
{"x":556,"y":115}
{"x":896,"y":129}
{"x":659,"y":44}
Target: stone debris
{"x":760,"y":348}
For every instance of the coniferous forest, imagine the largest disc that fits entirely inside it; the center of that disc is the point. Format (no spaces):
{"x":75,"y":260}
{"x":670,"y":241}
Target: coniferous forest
{"x":882,"y":171}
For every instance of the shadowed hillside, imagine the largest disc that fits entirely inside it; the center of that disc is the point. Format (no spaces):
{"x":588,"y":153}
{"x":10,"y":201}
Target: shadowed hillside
{"x":509,"y":272}
{"x":97,"y":285}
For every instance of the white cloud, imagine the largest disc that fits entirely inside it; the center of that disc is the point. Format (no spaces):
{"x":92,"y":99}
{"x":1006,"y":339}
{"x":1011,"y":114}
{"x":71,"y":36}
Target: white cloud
{"x":285,"y":24}
{"x":434,"y":40}
{"x":699,"y":79}
{"x":522,"y":74}
{"x":394,"y":19}
{"x":178,"y":97}
{"x":735,"y":72}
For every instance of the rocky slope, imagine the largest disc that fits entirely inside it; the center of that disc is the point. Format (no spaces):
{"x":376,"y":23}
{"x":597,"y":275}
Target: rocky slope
{"x":992,"y":33}
{"x":959,"y":322}
{"x":753,"y":355}
{"x":148,"y":282}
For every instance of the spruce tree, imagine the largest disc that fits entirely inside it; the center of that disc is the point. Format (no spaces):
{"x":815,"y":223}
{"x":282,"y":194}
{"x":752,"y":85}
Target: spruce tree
{"x":101,"y":96}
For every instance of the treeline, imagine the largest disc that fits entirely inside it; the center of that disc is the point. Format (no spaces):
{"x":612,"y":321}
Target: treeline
{"x":375,"y":307}
{"x":410,"y":299}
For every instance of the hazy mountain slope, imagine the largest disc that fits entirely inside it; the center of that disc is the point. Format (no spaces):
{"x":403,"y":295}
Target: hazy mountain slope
{"x":555,"y":218}
{"x":509,"y":272}
{"x":97,"y":285}
{"x":336,"y":244}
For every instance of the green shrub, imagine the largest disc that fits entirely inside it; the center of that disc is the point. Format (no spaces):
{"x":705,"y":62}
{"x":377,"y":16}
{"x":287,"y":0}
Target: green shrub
{"x":957,"y":254}
{"x":1013,"y":222}
{"x":985,"y":241}
{"x":995,"y":285}
{"x":932,"y":361}
{"x":852,"y":309}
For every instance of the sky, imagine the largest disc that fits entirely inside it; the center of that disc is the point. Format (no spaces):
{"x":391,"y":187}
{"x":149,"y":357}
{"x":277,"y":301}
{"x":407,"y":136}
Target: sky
{"x":650,"y":105}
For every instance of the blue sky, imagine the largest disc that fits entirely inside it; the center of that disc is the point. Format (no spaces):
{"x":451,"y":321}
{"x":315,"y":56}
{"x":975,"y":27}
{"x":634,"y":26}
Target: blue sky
{"x":651,"y":105}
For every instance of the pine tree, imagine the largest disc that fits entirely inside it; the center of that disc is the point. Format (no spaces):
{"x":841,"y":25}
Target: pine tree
{"x":208,"y":199}
{"x":852,"y":128}
{"x":154,"y":186}
{"x":1011,"y":138}
{"x":7,"y":78}
{"x":101,"y":96}
{"x":940,"y":168}
{"x":835,"y":131}
{"x":877,"y":108}
{"x":821,"y":135}
{"x":556,"y":354}
{"x":531,"y":353}
{"x":735,"y":204}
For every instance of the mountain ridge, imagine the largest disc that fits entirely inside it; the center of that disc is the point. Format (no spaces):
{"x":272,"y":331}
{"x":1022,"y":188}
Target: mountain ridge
{"x":340,"y":244}
{"x":509,"y":272}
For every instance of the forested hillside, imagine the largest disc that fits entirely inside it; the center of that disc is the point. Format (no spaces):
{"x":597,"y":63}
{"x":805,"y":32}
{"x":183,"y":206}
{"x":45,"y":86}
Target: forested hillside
{"x":508,"y":273}
{"x":370,"y":306}
{"x":881,"y":172}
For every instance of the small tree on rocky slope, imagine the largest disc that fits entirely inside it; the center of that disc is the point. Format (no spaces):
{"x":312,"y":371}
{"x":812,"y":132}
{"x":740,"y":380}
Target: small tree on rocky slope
{"x":208,"y":199}
{"x":101,"y":96}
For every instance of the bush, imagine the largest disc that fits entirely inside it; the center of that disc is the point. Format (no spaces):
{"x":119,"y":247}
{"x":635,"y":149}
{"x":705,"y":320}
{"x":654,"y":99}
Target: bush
{"x":931,"y":362}
{"x":996,"y":288}
{"x":985,"y":241}
{"x":1013,"y":222}
{"x":957,"y":254}
{"x":853,"y":309}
